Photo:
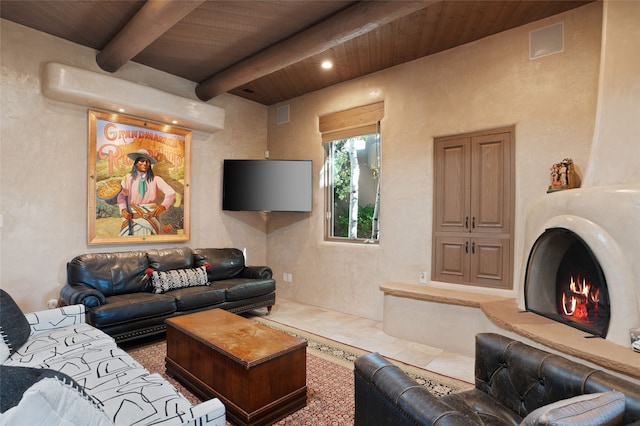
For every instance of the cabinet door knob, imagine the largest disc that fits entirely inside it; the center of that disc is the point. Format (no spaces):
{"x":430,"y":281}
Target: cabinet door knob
{"x":473,"y":248}
{"x":466,"y":222}
{"x":466,"y":247}
{"x":473,"y":222}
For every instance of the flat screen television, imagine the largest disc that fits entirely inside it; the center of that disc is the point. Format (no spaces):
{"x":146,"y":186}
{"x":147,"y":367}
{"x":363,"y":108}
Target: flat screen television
{"x":267,"y":185}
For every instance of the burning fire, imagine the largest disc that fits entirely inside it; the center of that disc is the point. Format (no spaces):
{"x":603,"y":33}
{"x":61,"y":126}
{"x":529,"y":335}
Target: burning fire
{"x":575,"y":301}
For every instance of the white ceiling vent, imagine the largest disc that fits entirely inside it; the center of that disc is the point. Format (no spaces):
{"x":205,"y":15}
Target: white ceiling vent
{"x":546,"y":41}
{"x":282,"y":114}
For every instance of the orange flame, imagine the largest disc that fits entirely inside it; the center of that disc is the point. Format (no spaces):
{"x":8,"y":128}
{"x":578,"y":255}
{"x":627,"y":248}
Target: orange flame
{"x":575,"y":303}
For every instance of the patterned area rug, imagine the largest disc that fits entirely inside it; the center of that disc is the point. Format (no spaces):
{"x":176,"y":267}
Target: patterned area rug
{"x":330,"y":386}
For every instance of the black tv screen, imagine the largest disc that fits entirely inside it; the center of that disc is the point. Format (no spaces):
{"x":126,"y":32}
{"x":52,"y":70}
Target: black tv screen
{"x":267,"y":185}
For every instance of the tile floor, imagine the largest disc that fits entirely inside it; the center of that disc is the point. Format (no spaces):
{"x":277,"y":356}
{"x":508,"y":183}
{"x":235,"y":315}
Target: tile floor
{"x":367,"y":334}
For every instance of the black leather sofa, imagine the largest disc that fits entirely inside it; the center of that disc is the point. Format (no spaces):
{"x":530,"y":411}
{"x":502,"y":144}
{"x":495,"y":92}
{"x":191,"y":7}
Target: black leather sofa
{"x":120,"y":298}
{"x":512,"y":379}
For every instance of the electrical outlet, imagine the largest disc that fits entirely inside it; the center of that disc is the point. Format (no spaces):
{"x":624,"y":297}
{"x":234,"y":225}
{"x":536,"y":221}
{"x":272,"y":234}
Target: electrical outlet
{"x":52,"y":304}
{"x":290,"y":278}
{"x":284,"y":277}
{"x":423,"y":277}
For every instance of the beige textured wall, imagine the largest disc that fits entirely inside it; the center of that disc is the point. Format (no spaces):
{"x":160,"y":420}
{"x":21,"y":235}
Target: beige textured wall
{"x":616,"y":143}
{"x":44,"y":168}
{"x":485,"y":84}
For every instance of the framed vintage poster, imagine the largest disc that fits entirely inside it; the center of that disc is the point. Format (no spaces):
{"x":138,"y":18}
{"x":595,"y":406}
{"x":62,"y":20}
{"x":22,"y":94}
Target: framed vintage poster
{"x":139,"y":175}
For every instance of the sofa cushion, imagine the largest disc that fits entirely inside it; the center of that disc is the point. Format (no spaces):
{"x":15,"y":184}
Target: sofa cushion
{"x":110,"y":273}
{"x":244,"y":288}
{"x":224,"y":263}
{"x":14,"y":327}
{"x":41,"y":349}
{"x":99,"y":368}
{"x":146,"y":400}
{"x":189,"y":298}
{"x":164,"y":281}
{"x":127,"y":308}
{"x":171,"y":258}
{"x":46,"y":397}
{"x":605,"y":409}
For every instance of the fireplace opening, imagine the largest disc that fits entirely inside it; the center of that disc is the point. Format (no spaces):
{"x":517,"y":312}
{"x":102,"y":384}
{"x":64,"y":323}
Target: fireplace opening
{"x":564,"y":282}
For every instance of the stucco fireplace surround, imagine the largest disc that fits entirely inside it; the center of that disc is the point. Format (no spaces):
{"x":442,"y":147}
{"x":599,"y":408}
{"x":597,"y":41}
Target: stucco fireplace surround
{"x":604,"y":218}
{"x":605,"y":211}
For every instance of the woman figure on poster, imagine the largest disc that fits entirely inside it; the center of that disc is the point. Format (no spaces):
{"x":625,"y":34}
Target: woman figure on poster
{"x":138,"y":198}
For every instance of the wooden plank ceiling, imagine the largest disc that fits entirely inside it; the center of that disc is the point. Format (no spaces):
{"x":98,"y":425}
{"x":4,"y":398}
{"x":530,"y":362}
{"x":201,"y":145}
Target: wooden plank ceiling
{"x":270,"y":51}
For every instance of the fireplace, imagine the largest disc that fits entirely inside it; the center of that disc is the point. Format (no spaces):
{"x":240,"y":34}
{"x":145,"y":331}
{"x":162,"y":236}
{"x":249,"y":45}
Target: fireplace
{"x":564,"y":282}
{"x":585,"y":215}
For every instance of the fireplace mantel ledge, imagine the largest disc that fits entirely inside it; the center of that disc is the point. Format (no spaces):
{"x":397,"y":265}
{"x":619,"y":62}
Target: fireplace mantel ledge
{"x":505,"y":314}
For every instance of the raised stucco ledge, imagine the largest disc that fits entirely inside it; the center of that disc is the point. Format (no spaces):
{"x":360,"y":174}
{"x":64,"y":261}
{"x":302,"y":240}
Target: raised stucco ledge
{"x":450,"y":297}
{"x":81,"y":87}
{"x":563,"y":339}
{"x":450,"y":319}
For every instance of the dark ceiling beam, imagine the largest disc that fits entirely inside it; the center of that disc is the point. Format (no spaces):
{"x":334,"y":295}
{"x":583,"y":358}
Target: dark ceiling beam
{"x":359,"y":19}
{"x":151,"y":21}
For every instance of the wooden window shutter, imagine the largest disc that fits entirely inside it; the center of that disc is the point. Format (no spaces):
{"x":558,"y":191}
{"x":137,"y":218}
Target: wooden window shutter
{"x":357,"y":121}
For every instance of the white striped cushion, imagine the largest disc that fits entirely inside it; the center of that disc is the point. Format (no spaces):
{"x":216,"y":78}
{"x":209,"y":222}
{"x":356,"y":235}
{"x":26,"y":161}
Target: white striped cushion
{"x":178,"y":278}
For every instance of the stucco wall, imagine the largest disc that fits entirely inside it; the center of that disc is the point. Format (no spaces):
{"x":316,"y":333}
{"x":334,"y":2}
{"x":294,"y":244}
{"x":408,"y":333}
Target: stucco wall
{"x":616,"y":142}
{"x":44,"y":168}
{"x":486,"y":84}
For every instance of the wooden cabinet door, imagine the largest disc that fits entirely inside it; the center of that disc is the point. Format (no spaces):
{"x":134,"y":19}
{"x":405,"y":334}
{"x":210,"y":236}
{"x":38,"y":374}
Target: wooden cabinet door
{"x":490,"y":261}
{"x":480,"y":261}
{"x":452,"y":176}
{"x":451,"y":259}
{"x":491,"y":183}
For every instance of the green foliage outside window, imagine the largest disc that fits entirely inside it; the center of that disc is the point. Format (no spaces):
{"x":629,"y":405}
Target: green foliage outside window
{"x":365,"y":219}
{"x":353,"y":164}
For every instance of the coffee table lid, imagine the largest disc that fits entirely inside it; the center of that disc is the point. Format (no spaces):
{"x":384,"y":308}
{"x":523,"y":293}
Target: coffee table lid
{"x":246,"y":342}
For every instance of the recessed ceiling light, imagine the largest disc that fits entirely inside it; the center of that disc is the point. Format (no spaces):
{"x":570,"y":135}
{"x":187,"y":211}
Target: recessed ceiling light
{"x":327,"y":65}
{"x":121,"y":109}
{"x":175,"y":121}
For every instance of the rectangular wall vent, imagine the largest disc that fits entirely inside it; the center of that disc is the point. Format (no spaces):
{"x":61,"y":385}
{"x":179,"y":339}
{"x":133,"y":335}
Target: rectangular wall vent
{"x":546,"y":41}
{"x":283,"y":114}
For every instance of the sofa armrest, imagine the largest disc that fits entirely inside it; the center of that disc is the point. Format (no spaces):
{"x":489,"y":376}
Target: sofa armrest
{"x":76,"y":294}
{"x":210,"y":413}
{"x":50,"y":319}
{"x":384,"y":394}
{"x":264,"y":272}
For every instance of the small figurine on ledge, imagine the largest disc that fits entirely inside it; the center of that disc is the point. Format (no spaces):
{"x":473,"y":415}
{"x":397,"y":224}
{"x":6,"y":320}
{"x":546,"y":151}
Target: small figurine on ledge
{"x":563,"y":176}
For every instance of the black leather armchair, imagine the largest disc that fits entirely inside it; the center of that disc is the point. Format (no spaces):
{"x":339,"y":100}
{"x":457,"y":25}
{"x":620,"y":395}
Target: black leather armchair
{"x":512,"y":380}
